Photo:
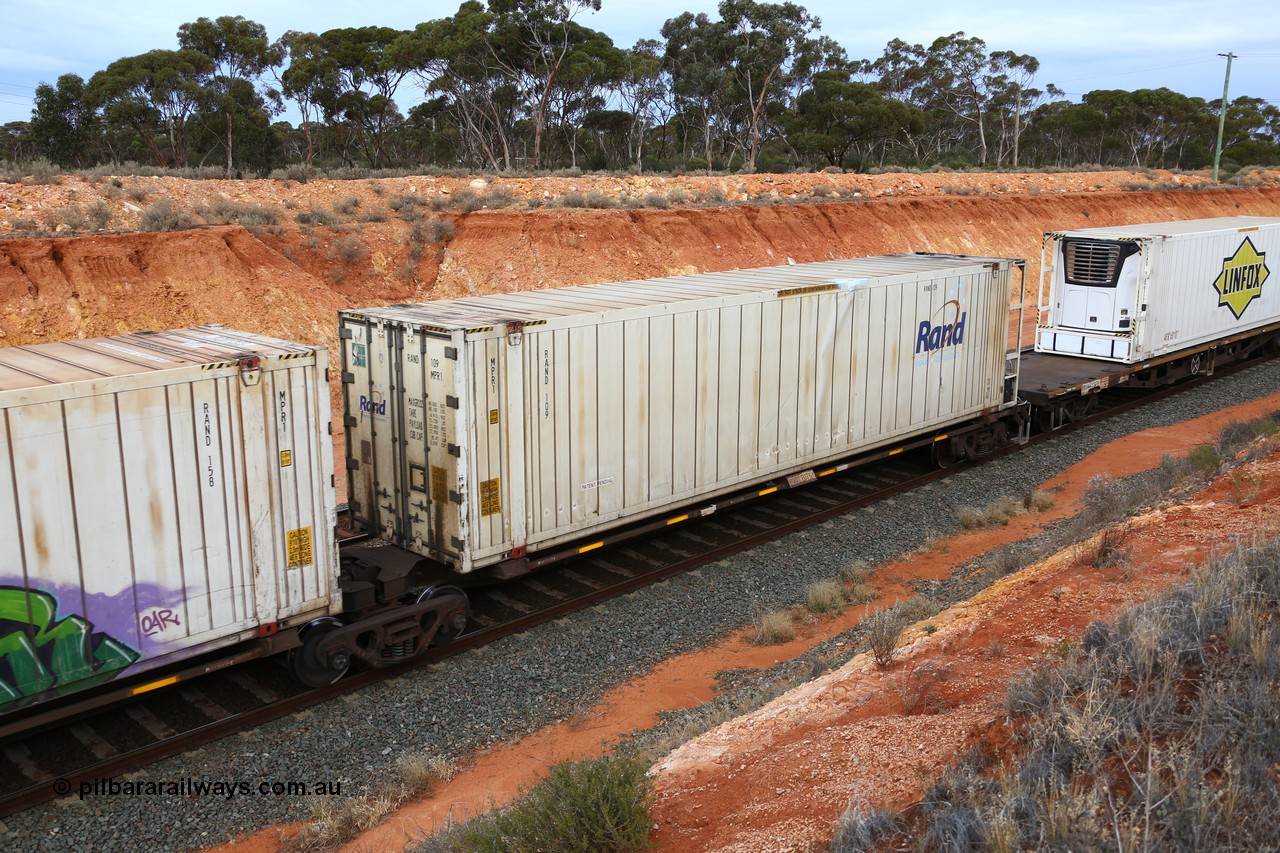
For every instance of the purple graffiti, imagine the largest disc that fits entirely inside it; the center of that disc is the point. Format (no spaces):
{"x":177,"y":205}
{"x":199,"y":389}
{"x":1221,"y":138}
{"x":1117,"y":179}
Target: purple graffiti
{"x":157,"y":621}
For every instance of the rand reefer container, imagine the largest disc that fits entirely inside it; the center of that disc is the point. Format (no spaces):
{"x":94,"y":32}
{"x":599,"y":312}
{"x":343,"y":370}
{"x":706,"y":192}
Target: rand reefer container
{"x":1132,"y":293}
{"x":481,"y":429}
{"x":161,"y":494}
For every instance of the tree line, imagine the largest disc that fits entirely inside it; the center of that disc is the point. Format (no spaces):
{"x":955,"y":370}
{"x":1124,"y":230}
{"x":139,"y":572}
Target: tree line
{"x":521,"y":85}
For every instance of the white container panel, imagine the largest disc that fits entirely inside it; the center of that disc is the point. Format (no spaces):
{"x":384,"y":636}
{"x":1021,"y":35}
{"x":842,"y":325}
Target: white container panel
{"x":150,"y":509}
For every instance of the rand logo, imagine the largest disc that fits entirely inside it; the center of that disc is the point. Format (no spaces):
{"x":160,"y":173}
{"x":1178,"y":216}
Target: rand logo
{"x":948,"y":332}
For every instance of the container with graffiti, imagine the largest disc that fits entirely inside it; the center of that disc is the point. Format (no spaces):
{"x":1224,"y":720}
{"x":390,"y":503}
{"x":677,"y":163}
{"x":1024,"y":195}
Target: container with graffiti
{"x":161,"y":495}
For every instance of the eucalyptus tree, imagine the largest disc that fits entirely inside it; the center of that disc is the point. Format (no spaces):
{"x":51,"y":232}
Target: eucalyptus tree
{"x":769,"y":45}
{"x":241,"y":53}
{"x":153,"y":94}
{"x":643,"y":90}
{"x":306,"y":80}
{"x":531,"y":41}
{"x":457,"y":58}
{"x":588,"y":75}
{"x":697,"y":54}
{"x":837,"y":115}
{"x":62,"y":123}
{"x":353,"y":76}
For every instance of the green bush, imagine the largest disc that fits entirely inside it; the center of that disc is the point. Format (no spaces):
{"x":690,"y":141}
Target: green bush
{"x":599,"y":806}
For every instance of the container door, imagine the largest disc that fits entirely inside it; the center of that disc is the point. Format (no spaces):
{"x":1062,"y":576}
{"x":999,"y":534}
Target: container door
{"x":369,"y":361}
{"x":1098,"y":289}
{"x":427,"y":490}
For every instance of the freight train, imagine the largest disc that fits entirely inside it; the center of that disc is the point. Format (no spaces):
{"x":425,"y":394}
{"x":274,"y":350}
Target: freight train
{"x":167,"y":495}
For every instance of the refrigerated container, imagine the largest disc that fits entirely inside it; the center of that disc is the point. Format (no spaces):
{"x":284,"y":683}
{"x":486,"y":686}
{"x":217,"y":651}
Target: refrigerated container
{"x":1132,"y":293}
{"x":161,"y":494}
{"x":484,"y":429}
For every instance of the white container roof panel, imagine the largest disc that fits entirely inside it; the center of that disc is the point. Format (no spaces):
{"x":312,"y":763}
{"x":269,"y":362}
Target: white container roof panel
{"x":483,"y":312}
{"x":1170,"y":229}
{"x":129,"y":355}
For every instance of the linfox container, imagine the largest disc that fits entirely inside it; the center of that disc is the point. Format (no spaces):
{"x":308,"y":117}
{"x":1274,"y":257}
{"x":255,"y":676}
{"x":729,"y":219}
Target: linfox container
{"x":160,"y":494}
{"x":1133,"y":293}
{"x":482,"y":429}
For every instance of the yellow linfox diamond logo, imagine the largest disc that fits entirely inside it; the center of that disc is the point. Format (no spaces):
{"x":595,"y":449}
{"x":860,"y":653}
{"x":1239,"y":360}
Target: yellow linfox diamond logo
{"x":1241,"y":279}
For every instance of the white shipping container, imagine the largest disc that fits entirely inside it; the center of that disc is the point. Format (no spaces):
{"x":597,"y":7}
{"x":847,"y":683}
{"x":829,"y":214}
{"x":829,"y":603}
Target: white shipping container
{"x":483,"y":428}
{"x":1133,"y":293}
{"x":161,"y":494}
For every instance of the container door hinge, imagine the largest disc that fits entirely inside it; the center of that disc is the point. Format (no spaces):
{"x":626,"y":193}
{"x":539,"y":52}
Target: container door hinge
{"x":455,"y":450}
{"x":451,"y":401}
{"x":457,"y":543}
{"x":349,"y":420}
{"x":455,"y":497}
{"x":348,"y":378}
{"x":345,"y":333}
{"x":451,"y":353}
{"x":515,"y":333}
{"x":250,"y":370}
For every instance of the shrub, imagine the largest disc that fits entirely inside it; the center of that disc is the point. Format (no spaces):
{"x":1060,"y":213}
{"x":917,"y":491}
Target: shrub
{"x":439,"y":230}
{"x":1234,"y":437}
{"x":348,"y":205}
{"x":883,"y":628}
{"x":599,"y":199}
{"x":580,"y":807}
{"x":317,"y":216}
{"x":824,"y":597}
{"x":225,"y":211}
{"x":859,"y":571}
{"x":862,"y":830}
{"x":100,"y":215}
{"x":657,"y":200}
{"x":468,"y":201}
{"x":351,"y":250}
{"x":164,"y":215}
{"x":1204,"y":458}
{"x":773,"y":628}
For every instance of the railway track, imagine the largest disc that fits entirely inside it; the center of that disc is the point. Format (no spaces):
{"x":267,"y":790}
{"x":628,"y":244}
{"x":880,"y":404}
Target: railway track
{"x":62,"y":749}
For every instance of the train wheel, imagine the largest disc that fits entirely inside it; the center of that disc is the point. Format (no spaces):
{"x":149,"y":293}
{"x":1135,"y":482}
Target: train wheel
{"x":312,"y":663}
{"x":455,"y":621}
{"x":944,"y":455}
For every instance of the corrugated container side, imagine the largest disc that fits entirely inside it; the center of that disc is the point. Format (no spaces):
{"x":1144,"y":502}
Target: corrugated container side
{"x":145,"y":517}
{"x":582,"y":421}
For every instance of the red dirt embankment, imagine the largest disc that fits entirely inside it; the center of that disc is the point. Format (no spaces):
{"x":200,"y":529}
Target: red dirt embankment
{"x":58,"y":288}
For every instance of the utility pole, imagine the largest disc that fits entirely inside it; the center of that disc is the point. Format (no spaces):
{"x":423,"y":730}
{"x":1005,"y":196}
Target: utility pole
{"x":1222,"y":115}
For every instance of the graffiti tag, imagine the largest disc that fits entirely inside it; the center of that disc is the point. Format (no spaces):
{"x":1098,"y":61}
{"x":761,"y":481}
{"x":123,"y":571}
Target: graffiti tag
{"x":157,"y":621}
{"x":39,"y":652}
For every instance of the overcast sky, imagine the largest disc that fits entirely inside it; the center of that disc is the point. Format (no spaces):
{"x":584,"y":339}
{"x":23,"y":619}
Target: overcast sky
{"x":1082,"y":45}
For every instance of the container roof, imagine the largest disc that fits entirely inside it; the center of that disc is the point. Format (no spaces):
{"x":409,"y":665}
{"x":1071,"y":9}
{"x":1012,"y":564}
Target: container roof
{"x":1170,"y":229}
{"x":540,"y":305}
{"x":126,"y":355}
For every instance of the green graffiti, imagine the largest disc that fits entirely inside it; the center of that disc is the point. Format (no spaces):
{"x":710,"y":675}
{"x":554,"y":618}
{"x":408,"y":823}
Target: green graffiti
{"x":38,"y":654}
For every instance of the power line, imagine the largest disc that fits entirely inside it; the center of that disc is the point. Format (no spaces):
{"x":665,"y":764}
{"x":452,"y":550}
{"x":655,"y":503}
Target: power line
{"x":19,"y":86}
{"x":1140,"y":69}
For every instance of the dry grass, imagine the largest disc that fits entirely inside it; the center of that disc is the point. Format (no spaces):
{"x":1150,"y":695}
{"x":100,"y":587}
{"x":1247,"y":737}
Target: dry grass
{"x":773,"y":628}
{"x":825,"y":597}
{"x":335,"y":821}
